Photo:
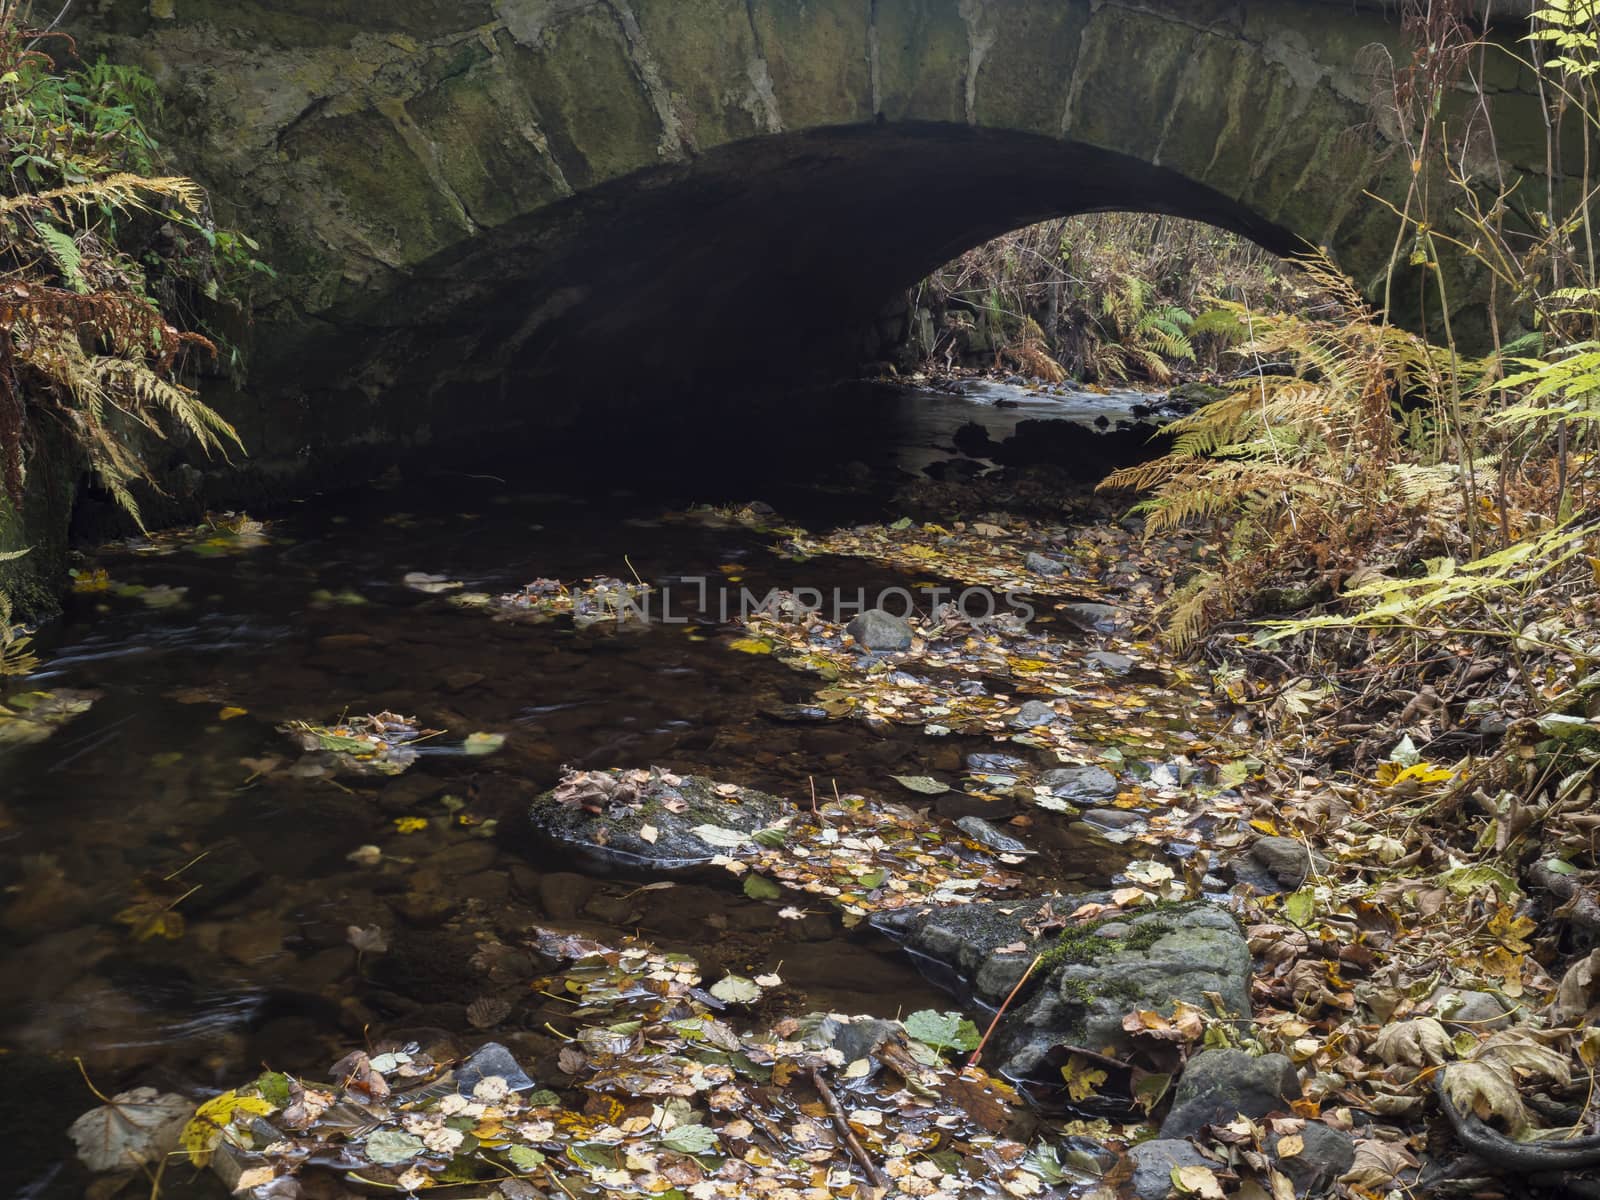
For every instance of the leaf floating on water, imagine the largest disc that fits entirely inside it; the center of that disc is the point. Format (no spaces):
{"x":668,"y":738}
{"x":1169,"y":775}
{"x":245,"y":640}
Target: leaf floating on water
{"x":747,"y":645}
{"x":369,"y":939}
{"x":389,"y":1146}
{"x":736,"y":989}
{"x":137,"y":1127}
{"x":365,"y":856}
{"x":759,"y":887}
{"x":377,"y":744}
{"x":483,"y":743}
{"x":942,"y":1031}
{"x":430,"y":585}
{"x":691,"y":1139}
{"x":924,"y":785}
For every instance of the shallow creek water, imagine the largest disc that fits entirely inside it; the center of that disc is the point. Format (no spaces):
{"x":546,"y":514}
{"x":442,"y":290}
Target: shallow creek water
{"x":161,"y":788}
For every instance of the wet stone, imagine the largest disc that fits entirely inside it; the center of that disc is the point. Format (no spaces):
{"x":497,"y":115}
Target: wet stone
{"x":1094,"y":618}
{"x":1325,"y":1154}
{"x":1219,"y":1085}
{"x":1113,"y":818}
{"x":1083,"y":785}
{"x":1033,"y":714}
{"x":1469,"y":1009}
{"x":1040,"y":565}
{"x":981,"y":831}
{"x":1085,"y":984}
{"x":1109,"y":661}
{"x":647,"y":821}
{"x":563,"y":894}
{"x":876,"y":629}
{"x":1154,"y":1162}
{"x":1285,"y":859}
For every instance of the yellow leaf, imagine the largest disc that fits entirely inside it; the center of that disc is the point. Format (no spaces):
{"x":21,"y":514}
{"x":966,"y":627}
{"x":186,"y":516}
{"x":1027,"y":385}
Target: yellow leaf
{"x":152,"y":918}
{"x":1082,"y":1077}
{"x":410,"y":824}
{"x":1267,"y":827}
{"x":206,"y":1129}
{"x":230,"y":713}
{"x":1392,"y":774}
{"x":750,"y":646}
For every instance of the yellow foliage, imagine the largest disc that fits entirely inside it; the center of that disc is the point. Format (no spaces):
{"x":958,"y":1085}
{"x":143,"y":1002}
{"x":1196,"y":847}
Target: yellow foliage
{"x":209,"y":1125}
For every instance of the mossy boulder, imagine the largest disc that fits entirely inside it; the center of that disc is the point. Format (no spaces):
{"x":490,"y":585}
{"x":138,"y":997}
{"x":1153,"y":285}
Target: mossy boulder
{"x":1089,"y":977}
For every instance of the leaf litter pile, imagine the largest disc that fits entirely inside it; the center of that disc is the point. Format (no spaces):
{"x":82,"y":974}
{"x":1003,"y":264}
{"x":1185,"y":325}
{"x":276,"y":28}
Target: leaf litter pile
{"x":662,"y":1095}
{"x":603,"y":600}
{"x":861,"y":855}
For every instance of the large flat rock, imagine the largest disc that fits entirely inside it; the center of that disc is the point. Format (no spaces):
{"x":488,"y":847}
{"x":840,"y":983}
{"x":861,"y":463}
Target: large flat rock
{"x":1091,"y":976}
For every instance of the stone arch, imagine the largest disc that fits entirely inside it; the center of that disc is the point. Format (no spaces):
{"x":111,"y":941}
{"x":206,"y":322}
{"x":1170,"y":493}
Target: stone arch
{"x":467,"y":202}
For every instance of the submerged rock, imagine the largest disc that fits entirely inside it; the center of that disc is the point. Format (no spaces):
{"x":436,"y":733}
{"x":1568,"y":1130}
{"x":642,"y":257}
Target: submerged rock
{"x":1033,"y":714}
{"x":1081,"y":784}
{"x":1286,"y":860}
{"x":1093,"y":617}
{"x":650,"y":820}
{"x":1110,"y":661}
{"x":1087,"y":981}
{"x":982,"y":832}
{"x":876,"y":629}
{"x":1040,"y":565}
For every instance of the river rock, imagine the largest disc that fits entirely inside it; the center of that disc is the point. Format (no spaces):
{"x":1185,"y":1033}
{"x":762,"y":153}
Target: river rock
{"x":1040,"y":565}
{"x":1153,"y":1162}
{"x":1325,"y":1154}
{"x":973,"y":440}
{"x":1285,"y":859}
{"x":1084,"y":785}
{"x":1094,"y":618}
{"x":1219,"y":1085}
{"x":1470,"y":1010}
{"x":986,"y":834}
{"x":1109,"y":661}
{"x":1085,"y":983}
{"x":1113,"y":818}
{"x":1033,"y":714}
{"x":627,"y":819}
{"x":876,"y":629}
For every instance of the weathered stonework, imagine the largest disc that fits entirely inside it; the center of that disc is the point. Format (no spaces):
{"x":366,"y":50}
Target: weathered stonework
{"x":472,"y":204}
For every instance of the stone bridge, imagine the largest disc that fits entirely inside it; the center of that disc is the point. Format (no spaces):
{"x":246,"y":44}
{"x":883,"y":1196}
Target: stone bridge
{"x":473,"y":204}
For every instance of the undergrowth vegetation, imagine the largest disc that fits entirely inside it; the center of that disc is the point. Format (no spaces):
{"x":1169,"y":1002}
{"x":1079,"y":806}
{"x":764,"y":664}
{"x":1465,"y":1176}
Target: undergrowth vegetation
{"x":1399,"y":556}
{"x":1107,"y":297}
{"x":102,"y":259}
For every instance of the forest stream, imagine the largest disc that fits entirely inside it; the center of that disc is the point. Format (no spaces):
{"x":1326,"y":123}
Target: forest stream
{"x":183,"y":898}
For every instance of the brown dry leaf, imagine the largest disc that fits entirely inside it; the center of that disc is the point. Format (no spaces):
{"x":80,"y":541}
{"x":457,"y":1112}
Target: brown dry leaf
{"x":1579,"y":992}
{"x":1526,"y":1057}
{"x":1377,"y":1164}
{"x":1417,"y":1043}
{"x":1485,"y":1090}
{"x":1197,"y":1181}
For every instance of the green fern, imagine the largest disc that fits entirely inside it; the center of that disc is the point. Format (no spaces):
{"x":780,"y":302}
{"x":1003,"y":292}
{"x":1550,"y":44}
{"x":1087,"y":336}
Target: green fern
{"x":65,"y":253}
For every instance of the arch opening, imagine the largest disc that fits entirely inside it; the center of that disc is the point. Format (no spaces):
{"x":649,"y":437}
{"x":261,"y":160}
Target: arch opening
{"x":705,"y":289}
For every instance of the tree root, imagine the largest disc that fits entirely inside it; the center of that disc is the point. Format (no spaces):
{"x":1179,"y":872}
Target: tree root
{"x":1498,"y":1150}
{"x":1582,"y":909}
